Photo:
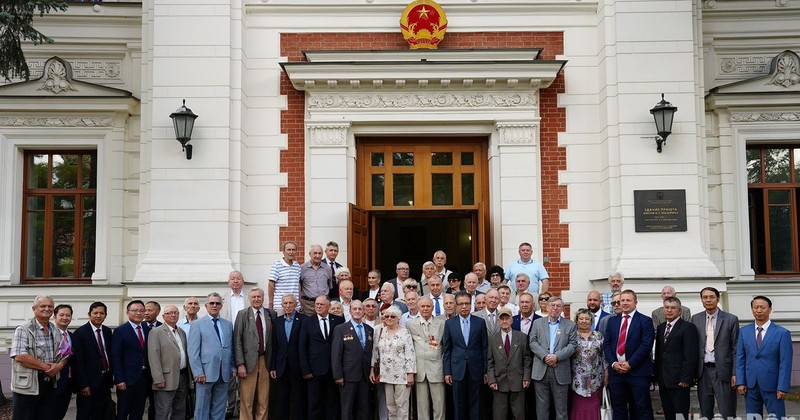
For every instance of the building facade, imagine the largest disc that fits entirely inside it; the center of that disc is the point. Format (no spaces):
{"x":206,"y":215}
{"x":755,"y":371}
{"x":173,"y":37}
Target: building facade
{"x":529,"y":123}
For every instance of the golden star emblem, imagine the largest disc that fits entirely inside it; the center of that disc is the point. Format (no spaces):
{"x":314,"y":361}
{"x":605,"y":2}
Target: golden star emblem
{"x":423,"y":13}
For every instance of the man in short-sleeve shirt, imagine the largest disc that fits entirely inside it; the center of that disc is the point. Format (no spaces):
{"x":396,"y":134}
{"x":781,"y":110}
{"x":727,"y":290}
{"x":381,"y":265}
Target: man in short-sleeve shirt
{"x":534,"y":269}
{"x":284,"y":278}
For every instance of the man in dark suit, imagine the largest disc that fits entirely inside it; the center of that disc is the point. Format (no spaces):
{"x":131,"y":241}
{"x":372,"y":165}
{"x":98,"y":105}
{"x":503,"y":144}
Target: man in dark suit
{"x":252,"y":354}
{"x":465,"y":355}
{"x":509,"y":368}
{"x":129,"y":361}
{"x":316,"y":333}
{"x":62,"y":315}
{"x":289,"y":389}
{"x":92,"y":365}
{"x":718,"y":333}
{"x":211,"y":360}
{"x":403,"y":272}
{"x":627,"y":345}
{"x":764,"y":362}
{"x":594,"y":303}
{"x":351,"y":354}
{"x":676,"y":360}
{"x":331,"y":252}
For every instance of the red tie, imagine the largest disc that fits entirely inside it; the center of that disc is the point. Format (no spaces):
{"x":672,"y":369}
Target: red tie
{"x":260,"y":327}
{"x":623,"y":334}
{"x":139,"y":333}
{"x":103,"y":357}
{"x":508,"y":345}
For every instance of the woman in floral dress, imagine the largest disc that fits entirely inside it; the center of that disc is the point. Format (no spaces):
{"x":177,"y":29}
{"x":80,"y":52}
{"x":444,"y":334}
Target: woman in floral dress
{"x":394,"y":364}
{"x":589,"y":371}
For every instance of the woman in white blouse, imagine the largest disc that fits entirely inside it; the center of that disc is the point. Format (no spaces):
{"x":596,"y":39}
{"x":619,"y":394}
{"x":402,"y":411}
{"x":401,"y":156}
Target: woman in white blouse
{"x":394,"y":363}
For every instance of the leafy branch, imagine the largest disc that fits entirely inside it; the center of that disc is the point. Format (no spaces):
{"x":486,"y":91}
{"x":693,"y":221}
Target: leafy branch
{"x":16,"y":25}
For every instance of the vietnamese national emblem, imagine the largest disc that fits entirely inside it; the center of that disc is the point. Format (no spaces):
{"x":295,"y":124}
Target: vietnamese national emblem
{"x":423,"y":24}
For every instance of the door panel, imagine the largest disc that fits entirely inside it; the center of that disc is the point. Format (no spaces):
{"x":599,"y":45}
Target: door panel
{"x":358,"y":241}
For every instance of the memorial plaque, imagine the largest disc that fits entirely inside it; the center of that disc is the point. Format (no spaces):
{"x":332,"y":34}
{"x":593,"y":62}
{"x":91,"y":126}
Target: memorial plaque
{"x":660,"y":210}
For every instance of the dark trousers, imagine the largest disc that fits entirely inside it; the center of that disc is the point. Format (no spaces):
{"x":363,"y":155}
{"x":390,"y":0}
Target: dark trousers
{"x":449,"y":406}
{"x":288,"y":394}
{"x":354,"y":400}
{"x":633,"y":391}
{"x":62,"y":400}
{"x":466,"y":398}
{"x":675,"y":401}
{"x":95,"y":406}
{"x":131,"y":402}
{"x":487,"y":401}
{"x":36,"y":407}
{"x":530,"y":402}
{"x":323,"y":398}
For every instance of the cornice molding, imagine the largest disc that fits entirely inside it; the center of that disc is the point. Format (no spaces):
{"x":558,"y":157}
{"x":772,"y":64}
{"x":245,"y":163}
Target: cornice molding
{"x":62,"y":121}
{"x":764,"y":116}
{"x":463,"y":100}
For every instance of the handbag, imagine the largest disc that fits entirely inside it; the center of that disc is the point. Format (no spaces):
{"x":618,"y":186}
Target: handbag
{"x":606,"y":413}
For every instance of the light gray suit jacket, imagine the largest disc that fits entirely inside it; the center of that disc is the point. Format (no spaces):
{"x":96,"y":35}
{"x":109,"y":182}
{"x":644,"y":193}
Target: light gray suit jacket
{"x":245,"y":338}
{"x":509,"y":371}
{"x":726,"y":334}
{"x":491,"y":327}
{"x":163,"y":353}
{"x":566,"y":342}
{"x":659,"y":318}
{"x":429,"y":358}
{"x":207,"y":354}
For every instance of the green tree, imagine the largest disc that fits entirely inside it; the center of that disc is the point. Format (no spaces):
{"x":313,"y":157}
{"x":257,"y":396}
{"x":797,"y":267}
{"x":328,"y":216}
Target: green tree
{"x":16,"y":25}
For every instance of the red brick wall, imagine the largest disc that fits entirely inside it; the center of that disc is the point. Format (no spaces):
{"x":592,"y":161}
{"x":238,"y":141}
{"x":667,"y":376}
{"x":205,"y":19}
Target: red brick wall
{"x":554,"y":196}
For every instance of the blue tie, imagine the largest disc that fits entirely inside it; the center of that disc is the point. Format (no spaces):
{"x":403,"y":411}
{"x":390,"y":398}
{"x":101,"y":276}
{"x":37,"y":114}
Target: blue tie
{"x":438,"y":308}
{"x":216,"y":329}
{"x":360,"y":329}
{"x":465,"y":330}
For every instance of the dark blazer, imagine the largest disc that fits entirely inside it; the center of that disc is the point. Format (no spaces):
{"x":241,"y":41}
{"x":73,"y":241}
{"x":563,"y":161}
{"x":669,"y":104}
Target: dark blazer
{"x":676,"y":358}
{"x":333,"y":292}
{"x":86,"y":362}
{"x":365,"y":295}
{"x":348,"y":359}
{"x":457,"y":354}
{"x":127,"y":355}
{"x":396,"y":288}
{"x":285,"y":352}
{"x":65,"y":383}
{"x":638,"y":344}
{"x":603,"y":314}
{"x":158,"y":324}
{"x":516,"y":322}
{"x":726,"y":335}
{"x":315,"y":351}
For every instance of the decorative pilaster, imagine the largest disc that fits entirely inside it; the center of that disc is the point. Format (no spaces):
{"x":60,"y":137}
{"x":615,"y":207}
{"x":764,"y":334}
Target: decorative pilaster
{"x":327,"y":134}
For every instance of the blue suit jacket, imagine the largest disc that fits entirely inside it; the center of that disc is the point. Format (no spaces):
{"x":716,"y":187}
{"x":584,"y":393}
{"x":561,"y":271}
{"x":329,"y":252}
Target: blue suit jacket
{"x":458,"y":355}
{"x":87,"y":363}
{"x":771,"y":365}
{"x":516,"y":322}
{"x":207,"y":355}
{"x":127,"y":355}
{"x":315,"y":351}
{"x":603,"y":314}
{"x":638,"y":344}
{"x":285,"y":352}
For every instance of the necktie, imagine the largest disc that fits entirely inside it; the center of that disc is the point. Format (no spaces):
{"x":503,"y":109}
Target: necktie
{"x":491,"y":319}
{"x":260,"y":328}
{"x":623,"y":334}
{"x":465,"y":330}
{"x":759,"y":337}
{"x":710,"y":334}
{"x":666,"y":333}
{"x":325,"y":328}
{"x":360,"y":329}
{"x":103,"y":357}
{"x":438,"y":308}
{"x":216,"y":328}
{"x":139,"y":333}
{"x":508,"y":345}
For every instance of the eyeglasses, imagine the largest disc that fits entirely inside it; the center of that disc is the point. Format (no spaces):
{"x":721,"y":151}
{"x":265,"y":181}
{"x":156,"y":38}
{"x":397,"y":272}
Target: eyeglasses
{"x":215,"y":303}
{"x":136,"y":311}
{"x":403,"y":269}
{"x":544,"y":299}
{"x":463,"y":303}
{"x":390,"y":316}
{"x":411,"y":287}
{"x":495,"y":275}
{"x":171,"y":313}
{"x":615,"y":302}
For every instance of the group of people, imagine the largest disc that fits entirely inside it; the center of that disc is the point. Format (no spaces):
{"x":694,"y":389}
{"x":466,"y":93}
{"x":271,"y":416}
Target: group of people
{"x":443,"y":347}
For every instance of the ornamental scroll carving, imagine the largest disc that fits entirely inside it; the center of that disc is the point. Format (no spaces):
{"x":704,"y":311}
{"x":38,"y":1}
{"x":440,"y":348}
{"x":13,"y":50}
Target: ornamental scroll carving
{"x":765,"y":116}
{"x":56,"y":79}
{"x":785,"y":70}
{"x":55,"y":122}
{"x":434,"y":100}
{"x":517,"y":133}
{"x":328,"y":134}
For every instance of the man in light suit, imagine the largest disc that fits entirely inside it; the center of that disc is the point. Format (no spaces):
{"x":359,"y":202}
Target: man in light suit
{"x":489,"y":316}
{"x":553,"y":340}
{"x":627,"y":343}
{"x":718,"y":333}
{"x":509,"y":368}
{"x":465,"y":353}
{"x":289,"y":389}
{"x":676,"y":360}
{"x":351,"y":354}
{"x":169,"y":366}
{"x":129,"y":361}
{"x":92,"y":364}
{"x":211,"y":360}
{"x":764,"y":362}
{"x":427,"y":332}
{"x":252,"y":354}
{"x":234,"y":299}
{"x":316,"y":333}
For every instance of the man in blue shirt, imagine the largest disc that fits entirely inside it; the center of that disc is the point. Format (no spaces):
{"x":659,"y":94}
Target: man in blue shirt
{"x":534,"y":269}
